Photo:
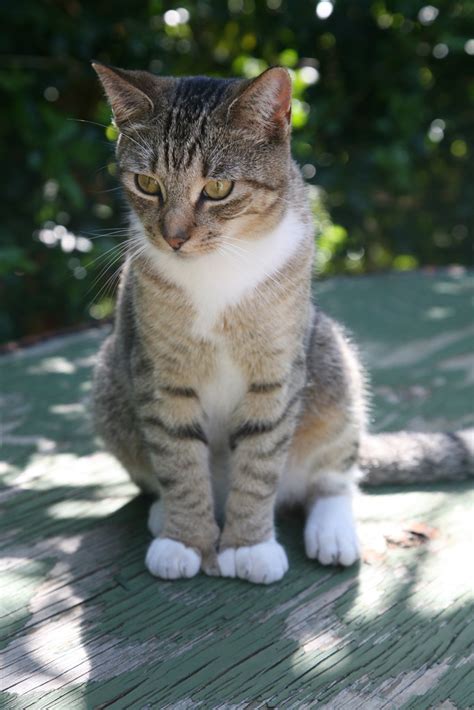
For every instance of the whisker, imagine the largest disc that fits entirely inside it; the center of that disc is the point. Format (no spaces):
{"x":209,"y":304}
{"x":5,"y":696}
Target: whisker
{"x":102,"y":273}
{"x":108,"y":232}
{"x":120,"y":248}
{"x":110,"y":284}
{"x":84,"y":120}
{"x":112,"y":189}
{"x":117,"y":257}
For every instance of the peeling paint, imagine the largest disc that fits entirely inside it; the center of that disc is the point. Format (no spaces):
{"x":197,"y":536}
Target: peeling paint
{"x":84,"y":626}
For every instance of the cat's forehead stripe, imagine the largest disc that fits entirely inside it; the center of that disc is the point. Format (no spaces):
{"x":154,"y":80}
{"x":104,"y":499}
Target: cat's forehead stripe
{"x":193,"y":100}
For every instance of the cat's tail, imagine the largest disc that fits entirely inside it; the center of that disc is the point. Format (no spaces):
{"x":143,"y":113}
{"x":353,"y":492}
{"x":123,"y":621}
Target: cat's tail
{"x":412,"y":457}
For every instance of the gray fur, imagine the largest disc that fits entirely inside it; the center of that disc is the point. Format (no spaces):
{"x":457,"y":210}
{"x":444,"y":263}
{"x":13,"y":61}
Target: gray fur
{"x":415,"y":457}
{"x":294,"y":434}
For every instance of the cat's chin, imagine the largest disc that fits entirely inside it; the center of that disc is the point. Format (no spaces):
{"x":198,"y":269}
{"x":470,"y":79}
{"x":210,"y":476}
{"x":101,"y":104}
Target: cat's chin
{"x":187,"y":255}
{"x":168,"y":252}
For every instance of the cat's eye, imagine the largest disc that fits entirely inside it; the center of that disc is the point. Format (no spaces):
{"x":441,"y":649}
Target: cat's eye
{"x":147,"y":184}
{"x":218,"y":189}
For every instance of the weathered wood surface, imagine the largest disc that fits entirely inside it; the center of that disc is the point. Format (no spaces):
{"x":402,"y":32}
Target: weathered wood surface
{"x":85,"y":626}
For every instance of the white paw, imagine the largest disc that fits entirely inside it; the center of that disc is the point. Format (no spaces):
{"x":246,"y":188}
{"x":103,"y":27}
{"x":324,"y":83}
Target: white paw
{"x":170,"y":559}
{"x":261,"y":564}
{"x":155,"y":518}
{"x":330,"y":532}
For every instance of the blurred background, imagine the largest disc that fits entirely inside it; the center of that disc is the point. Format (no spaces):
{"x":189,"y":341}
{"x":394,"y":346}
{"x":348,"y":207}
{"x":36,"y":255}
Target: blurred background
{"x":383,"y":120}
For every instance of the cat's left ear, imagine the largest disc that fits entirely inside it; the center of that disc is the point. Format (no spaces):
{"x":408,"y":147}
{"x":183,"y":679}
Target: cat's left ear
{"x":129,"y":92}
{"x":265,"y":103}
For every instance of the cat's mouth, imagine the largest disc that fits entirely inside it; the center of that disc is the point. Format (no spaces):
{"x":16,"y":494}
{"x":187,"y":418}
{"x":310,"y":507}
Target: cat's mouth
{"x":196,"y":252}
{"x":186,"y":252}
{"x":183,"y":246}
{"x":189,"y":249}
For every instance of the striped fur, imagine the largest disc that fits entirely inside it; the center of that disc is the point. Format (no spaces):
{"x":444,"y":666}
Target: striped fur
{"x":222,"y":389}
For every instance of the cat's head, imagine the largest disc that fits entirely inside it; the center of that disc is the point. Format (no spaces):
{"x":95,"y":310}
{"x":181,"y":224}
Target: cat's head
{"x":203,"y":161}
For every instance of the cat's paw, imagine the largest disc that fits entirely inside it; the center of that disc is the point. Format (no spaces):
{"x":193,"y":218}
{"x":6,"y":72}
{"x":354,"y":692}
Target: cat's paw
{"x":155,"y":518}
{"x":330,"y":533}
{"x":263,"y":563}
{"x":170,"y":559}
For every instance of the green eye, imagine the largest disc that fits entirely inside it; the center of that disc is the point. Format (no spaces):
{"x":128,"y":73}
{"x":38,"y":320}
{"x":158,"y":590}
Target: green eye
{"x":147,"y":184}
{"x":218,"y":189}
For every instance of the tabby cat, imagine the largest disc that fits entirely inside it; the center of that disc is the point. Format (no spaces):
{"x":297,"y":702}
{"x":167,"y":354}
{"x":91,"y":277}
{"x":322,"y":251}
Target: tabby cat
{"x":223,"y":390}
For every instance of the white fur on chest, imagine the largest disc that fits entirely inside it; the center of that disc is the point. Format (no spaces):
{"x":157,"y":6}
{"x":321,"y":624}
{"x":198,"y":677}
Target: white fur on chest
{"x":221,"y":395}
{"x":214,"y":282}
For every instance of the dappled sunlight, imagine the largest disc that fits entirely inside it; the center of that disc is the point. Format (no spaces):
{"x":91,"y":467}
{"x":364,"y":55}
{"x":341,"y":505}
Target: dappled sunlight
{"x":85,"y":611}
{"x":54,"y":653}
{"x":98,"y":471}
{"x":46,"y":401}
{"x":463,"y":363}
{"x":449,"y":288}
{"x":328,"y":666}
{"x":53,"y":365}
{"x":73,"y":408}
{"x":53,"y":603}
{"x":438,"y":312}
{"x":381,"y":128}
{"x":100,"y":504}
{"x":448,"y":560}
{"x":40,"y":443}
{"x":369,"y":606}
{"x":414,"y":352}
{"x":398,"y":588}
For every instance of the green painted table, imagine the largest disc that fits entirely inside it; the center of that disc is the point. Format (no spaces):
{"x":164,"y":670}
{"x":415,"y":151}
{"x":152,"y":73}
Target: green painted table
{"x":85,"y":626}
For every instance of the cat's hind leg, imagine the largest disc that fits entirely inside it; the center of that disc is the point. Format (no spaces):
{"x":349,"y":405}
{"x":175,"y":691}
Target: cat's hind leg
{"x":115,"y":420}
{"x":322,"y":471}
{"x":323,"y":463}
{"x":156,"y":518}
{"x":330,"y":534}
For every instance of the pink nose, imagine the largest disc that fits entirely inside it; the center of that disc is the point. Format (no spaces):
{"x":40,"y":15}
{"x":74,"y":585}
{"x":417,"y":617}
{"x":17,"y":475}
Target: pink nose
{"x":175,"y":240}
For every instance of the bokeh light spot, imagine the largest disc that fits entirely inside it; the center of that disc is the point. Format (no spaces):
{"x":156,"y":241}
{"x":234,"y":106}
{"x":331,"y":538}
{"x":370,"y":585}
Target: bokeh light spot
{"x":324,"y":9}
{"x":385,"y":21}
{"x":436,"y":130}
{"x":50,"y":189}
{"x":111,"y":133}
{"x":440,"y":51}
{"x":51,"y":93}
{"x":428,"y":14}
{"x":173,"y":18}
{"x":289,"y":57}
{"x":469,"y":46}
{"x":309,"y":171}
{"x":459,"y":148}
{"x":309,"y":75}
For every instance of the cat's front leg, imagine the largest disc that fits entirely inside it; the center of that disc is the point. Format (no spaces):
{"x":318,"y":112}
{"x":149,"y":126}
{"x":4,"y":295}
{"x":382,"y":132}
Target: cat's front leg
{"x":179,"y":455}
{"x":248,"y":547}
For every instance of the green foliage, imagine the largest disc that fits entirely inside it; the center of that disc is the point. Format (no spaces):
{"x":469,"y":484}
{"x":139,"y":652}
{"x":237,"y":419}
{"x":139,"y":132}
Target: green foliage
{"x":382,"y":116}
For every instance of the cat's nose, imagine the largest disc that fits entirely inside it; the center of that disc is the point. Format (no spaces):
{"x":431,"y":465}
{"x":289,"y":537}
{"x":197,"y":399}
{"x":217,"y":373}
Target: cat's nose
{"x":175,"y":239}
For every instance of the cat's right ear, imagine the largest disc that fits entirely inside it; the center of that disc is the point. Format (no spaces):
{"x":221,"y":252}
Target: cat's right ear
{"x":127,"y":92}
{"x":264,"y":103}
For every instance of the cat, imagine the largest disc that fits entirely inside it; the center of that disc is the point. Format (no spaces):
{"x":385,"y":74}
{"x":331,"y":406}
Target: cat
{"x":223,"y":390}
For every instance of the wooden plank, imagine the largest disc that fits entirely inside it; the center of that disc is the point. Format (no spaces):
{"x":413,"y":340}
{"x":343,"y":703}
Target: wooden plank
{"x":83,"y":625}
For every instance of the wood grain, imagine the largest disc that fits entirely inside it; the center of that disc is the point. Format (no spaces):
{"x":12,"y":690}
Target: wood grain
{"x":84,"y":626}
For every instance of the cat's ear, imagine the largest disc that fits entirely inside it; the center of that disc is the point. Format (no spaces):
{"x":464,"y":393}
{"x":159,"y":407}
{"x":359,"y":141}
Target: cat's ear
{"x":265,"y":103}
{"x":128,"y":92}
